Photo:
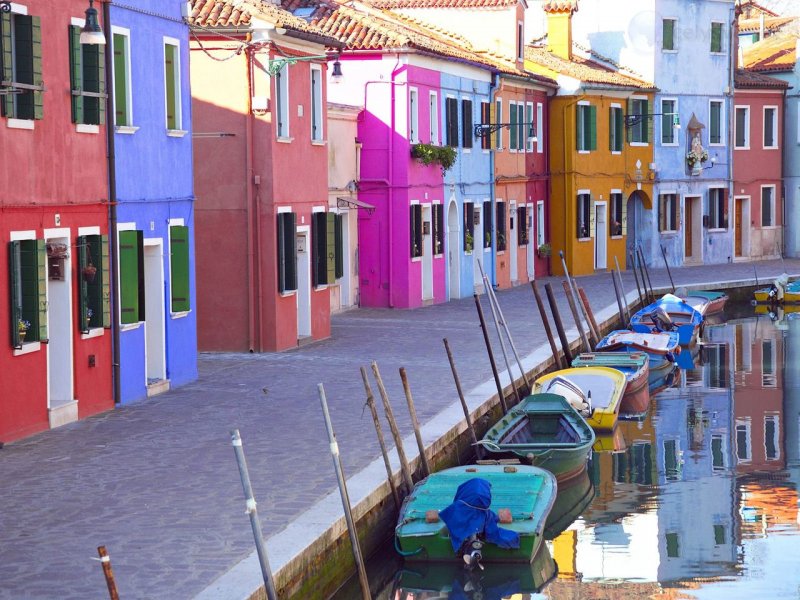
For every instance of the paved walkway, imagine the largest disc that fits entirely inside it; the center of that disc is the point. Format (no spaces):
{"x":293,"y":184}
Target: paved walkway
{"x":157,"y":483}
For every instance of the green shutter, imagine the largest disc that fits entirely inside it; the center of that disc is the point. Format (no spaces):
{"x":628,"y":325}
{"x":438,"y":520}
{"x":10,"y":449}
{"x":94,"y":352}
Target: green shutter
{"x":7,"y":63}
{"x":291,"y":250}
{"x":512,"y":109}
{"x":648,"y":129}
{"x":129,"y":277}
{"x":23,"y":61}
{"x":629,"y":130}
{"x":38,"y":79}
{"x":76,"y":72}
{"x":612,"y":130}
{"x":169,"y":75}
{"x":41,"y":289}
{"x":101,"y":83}
{"x":105,"y":273}
{"x":668,"y":30}
{"x":578,"y":127}
{"x":179,"y":268}
{"x":716,"y":37}
{"x":592,"y":127}
{"x":339,"y":238}
{"x":92,"y":105}
{"x":120,"y":82}
{"x":15,"y":286}
{"x":281,"y":255}
{"x":318,"y":249}
{"x":140,"y":253}
{"x":83,"y":285}
{"x":331,"y":247}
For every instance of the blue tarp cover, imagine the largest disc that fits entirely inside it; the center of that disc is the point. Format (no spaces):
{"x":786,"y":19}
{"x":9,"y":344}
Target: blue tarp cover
{"x":469,"y":514}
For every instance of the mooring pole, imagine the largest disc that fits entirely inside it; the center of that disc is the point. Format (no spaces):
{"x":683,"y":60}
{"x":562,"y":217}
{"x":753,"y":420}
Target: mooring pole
{"x":348,"y":514}
{"x":589,"y":314}
{"x":398,"y":441}
{"x":105,"y":561}
{"x":572,"y":299}
{"x":381,"y":440}
{"x":666,"y":264}
{"x":546,"y":323}
{"x":464,"y":407}
{"x":491,"y":354}
{"x":647,"y":273}
{"x":636,"y":277}
{"x":627,"y":318}
{"x":551,"y":299}
{"x":250,"y":503}
{"x":619,"y":299}
{"x":414,"y":422}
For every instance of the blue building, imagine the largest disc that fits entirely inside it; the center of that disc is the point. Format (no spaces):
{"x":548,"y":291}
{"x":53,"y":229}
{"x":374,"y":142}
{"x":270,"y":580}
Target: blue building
{"x":155,"y":304}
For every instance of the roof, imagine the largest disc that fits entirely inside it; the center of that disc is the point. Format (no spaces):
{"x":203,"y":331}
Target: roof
{"x":771,"y":24}
{"x":752,"y":9}
{"x":775,"y":53}
{"x":217,"y":13}
{"x":745,"y":78}
{"x":560,"y":6}
{"x":395,"y":4}
{"x":583,"y":69}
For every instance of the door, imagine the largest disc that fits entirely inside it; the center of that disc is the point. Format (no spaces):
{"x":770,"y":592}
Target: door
{"x":600,"y":236}
{"x":512,"y":242}
{"x":737,"y":228}
{"x":632,"y":213}
{"x":453,"y":250}
{"x":155,"y":343}
{"x":692,"y":234}
{"x":687,"y":231}
{"x":477,"y":249}
{"x":59,"y":331}
{"x":303,"y":283}
{"x":427,"y":254}
{"x":531,"y":240}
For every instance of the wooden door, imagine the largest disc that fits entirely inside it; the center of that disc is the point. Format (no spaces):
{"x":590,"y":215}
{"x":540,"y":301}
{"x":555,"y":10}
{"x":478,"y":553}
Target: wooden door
{"x":737,"y":228}
{"x":688,"y":230}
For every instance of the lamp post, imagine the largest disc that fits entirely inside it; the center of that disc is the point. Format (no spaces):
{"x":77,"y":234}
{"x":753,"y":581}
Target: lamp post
{"x":92,"y":34}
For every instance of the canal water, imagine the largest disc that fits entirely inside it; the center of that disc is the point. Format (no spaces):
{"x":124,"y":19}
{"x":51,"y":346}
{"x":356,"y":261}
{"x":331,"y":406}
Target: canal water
{"x":698,"y":499}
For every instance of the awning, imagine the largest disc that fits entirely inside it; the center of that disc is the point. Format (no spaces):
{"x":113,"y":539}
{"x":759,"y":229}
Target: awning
{"x":354,"y":203}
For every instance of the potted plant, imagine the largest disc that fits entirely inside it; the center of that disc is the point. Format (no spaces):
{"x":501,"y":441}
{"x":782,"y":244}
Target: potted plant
{"x":22,"y":328}
{"x":501,"y":241}
{"x":468,"y":241}
{"x":487,"y":240}
{"x":544,"y":250}
{"x":428,"y":154}
{"x":89,"y":314}
{"x":89,"y":272}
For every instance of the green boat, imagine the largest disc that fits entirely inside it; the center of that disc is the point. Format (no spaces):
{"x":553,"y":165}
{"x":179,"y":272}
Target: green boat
{"x":546,"y":431}
{"x":527,"y":492}
{"x":573,"y":498}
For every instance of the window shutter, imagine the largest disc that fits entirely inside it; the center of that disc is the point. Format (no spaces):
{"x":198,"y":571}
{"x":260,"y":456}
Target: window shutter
{"x":522,"y":139}
{"x":497,"y":115}
{"x":94,"y":81}
{"x":120,"y":82}
{"x":592,"y":224}
{"x":528,"y":127}
{"x":624,"y":220}
{"x":466,"y":123}
{"x":76,"y":72}
{"x":140,"y":278}
{"x":612,"y":130}
{"x":41,"y":289}
{"x":83,"y":285}
{"x":725,"y":208}
{"x":512,"y":110}
{"x":290,"y":249}
{"x":317,"y":248}
{"x":331,"y":247}
{"x":716,"y":37}
{"x":23,"y":64}
{"x":281,"y":254}
{"x":129,"y":277}
{"x":169,"y":74}
{"x":629,"y":130}
{"x":179,"y":268}
{"x":452,"y":122}
{"x":38,"y":96}
{"x":105,"y":274}
{"x":669,"y":26}
{"x":15,"y":285}
{"x":339,"y":247}
{"x":592,"y":128}
{"x":648,"y":129}
{"x":7,"y":63}
{"x":578,"y":127}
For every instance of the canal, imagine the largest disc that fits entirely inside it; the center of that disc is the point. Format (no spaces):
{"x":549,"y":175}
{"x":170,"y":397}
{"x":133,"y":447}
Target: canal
{"x":698,"y":499}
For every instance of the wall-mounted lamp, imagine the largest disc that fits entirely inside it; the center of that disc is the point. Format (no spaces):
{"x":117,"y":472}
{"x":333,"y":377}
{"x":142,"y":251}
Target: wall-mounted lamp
{"x":483,"y":129}
{"x":92,"y":34}
{"x":633,"y":120}
{"x":5,"y":6}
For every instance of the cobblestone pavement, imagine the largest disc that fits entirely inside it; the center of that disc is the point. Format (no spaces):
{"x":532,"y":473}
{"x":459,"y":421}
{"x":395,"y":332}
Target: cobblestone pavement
{"x":156,"y":482}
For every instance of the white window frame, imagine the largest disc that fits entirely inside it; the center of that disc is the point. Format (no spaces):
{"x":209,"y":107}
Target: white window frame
{"x":677,"y":200}
{"x":746,"y":426}
{"x":746,"y":109}
{"x":722,"y":49}
{"x":433,"y":117}
{"x":529,"y":139}
{"x":541,"y":238}
{"x":674,"y":48}
{"x":413,"y":115}
{"x":719,"y":225}
{"x":722,"y":133}
{"x":645,"y":127}
{"x":539,"y":128}
{"x":675,"y":135}
{"x":775,"y":132}
{"x":520,"y":40}
{"x":579,"y":124}
{"x":773,"y":216}
{"x":512,"y":110}
{"x":522,"y":140}
{"x":282,"y":97}
{"x":579,"y":193}
{"x":498,"y":115}
{"x":170,"y":41}
{"x":616,"y":192}
{"x":776,"y":418}
{"x":179,"y":222}
{"x":126,"y":34}
{"x":616,"y":106}
{"x":317,"y":110}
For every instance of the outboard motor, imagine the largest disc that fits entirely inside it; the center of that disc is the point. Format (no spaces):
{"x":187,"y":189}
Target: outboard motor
{"x":572,"y":394}
{"x":472,"y":552}
{"x":661,"y":319}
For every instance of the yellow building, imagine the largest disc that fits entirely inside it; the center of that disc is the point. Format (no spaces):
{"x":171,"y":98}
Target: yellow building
{"x":601,"y":148}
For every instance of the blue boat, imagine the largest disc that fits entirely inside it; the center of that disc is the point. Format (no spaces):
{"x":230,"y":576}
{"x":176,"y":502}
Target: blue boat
{"x":661,"y":348}
{"x":668,"y":314}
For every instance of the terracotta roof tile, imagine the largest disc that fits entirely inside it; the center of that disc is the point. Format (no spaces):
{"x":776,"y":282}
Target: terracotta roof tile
{"x":744,"y":78}
{"x":219,"y":13}
{"x":582,"y":69}
{"x":775,"y":53}
{"x":560,"y":6}
{"x":751,"y":9}
{"x":395,"y":4}
{"x":771,"y":24}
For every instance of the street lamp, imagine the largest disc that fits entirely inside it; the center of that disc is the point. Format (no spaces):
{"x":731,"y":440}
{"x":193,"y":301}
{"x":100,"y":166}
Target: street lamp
{"x":633,"y":120}
{"x":92,"y":34}
{"x":483,"y":129}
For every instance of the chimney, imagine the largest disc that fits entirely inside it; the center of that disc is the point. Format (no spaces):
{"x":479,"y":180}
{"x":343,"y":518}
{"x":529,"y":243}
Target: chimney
{"x":559,"y":26}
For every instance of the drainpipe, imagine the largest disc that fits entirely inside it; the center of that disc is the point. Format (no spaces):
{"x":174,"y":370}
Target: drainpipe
{"x":732,"y":65}
{"x":390,"y":176}
{"x":493,"y":85}
{"x":112,"y":208}
{"x":251,"y":244}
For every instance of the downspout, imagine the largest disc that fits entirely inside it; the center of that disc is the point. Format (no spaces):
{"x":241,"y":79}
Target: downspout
{"x":251,"y":317}
{"x":493,"y":85}
{"x":732,"y":65}
{"x":112,"y":208}
{"x":390,"y":177}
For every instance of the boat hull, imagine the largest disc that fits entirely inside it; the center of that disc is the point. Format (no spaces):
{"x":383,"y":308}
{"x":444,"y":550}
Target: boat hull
{"x":686,"y":320}
{"x":635,"y":366}
{"x":660,"y":350}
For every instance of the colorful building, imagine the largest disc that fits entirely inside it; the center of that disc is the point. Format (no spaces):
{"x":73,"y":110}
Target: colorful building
{"x":153,"y":190}
{"x":265,"y":237}
{"x":56,"y":363}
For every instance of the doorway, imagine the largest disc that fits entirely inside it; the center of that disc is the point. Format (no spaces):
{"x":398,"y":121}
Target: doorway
{"x":741,"y":233}
{"x":632,"y":212}
{"x":512,"y":234}
{"x":453,"y":251}
{"x":692,"y":230}
{"x":155,"y":346}
{"x":427,"y":254}
{"x":531,"y":239}
{"x":62,"y":407}
{"x":600,"y":235}
{"x":303,"y":284}
{"x":478,"y":252}
{"x":345,"y":289}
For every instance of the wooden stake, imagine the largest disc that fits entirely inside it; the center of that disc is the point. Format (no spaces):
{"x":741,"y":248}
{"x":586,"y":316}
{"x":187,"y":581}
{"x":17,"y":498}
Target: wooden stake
{"x":646,"y":273}
{"x":414,"y":422}
{"x":486,"y":341}
{"x":398,"y":441}
{"x":589,"y":315}
{"x":546,"y":323}
{"x":619,"y":300}
{"x":666,"y":264}
{"x":105,"y":561}
{"x":575,"y":315}
{"x":627,"y":318}
{"x":465,"y":408}
{"x":636,"y":277}
{"x":551,"y":299}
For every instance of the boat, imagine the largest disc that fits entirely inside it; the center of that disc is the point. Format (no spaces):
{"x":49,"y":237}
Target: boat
{"x":572,"y":499}
{"x":599,"y":388}
{"x":636,"y":367}
{"x":780,"y":291}
{"x":546,"y":431}
{"x":669,"y":313}
{"x":523,"y":493}
{"x":610,"y":441}
{"x":661,"y":348}
{"x":708,"y":304}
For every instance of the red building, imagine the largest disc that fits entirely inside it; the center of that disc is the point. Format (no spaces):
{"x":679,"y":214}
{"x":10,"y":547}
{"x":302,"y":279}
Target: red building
{"x":55,"y":361}
{"x":266,"y":244}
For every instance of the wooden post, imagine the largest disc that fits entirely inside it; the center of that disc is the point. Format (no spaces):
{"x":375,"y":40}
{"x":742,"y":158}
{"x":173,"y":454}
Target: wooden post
{"x":491,"y":354}
{"x":589,"y":314}
{"x":105,"y":561}
{"x":398,"y":441}
{"x":551,"y":299}
{"x":576,"y":316}
{"x":414,"y":422}
{"x":381,"y":441}
{"x":647,"y":274}
{"x":666,"y":264}
{"x":627,"y":318}
{"x":464,"y":407}
{"x":619,"y":300}
{"x":585,"y":310}
{"x":504,"y":323}
{"x":546,"y":323}
{"x":636,"y":277}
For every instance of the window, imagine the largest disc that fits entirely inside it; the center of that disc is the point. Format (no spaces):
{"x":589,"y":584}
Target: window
{"x":131,"y":276}
{"x":287,"y":252}
{"x":668,"y":212}
{"x":672,"y":460}
{"x":528,"y":128}
{"x":486,"y":118}
{"x":717,"y":452}
{"x":673,"y":545}
{"x":668,"y":113}
{"x":416,"y":230}
{"x":539,"y":127}
{"x":487,"y":224}
{"x":522,"y":128}
{"x":716,"y":376}
{"x":316,"y":104}
{"x":771,"y":436}
{"x":469,"y":226}
{"x":433,"y":105}
{"x":540,"y":233}
{"x":498,"y":109}
{"x":466,"y":123}
{"x":639,"y":133}
{"x":172,"y":81}
{"x":87,"y":79}
{"x":179,"y":268}
{"x":715,"y":122}
{"x":719,"y":535}
{"x":615,"y":128}
{"x":743,"y":440}
{"x":742,"y":127}
{"x":668,"y":34}
{"x":770,"y":127}
{"x":438,"y":229}
{"x":451,"y":122}
{"x":21,"y":48}
{"x":768,"y":378}
{"x":718,"y":208}
{"x":122,"y":80}
{"x":522,"y":226}
{"x":28,"y":284}
{"x":413,"y":116}
{"x":520,"y":41}
{"x":767,"y":205}
{"x":615,"y":223}
{"x":584,"y":200}
{"x":282,"y":101}
{"x":716,"y":37}
{"x":513,"y":134}
{"x":324,"y":238}
{"x":501,"y":226}
{"x":94,"y":289}
{"x":586,"y":128}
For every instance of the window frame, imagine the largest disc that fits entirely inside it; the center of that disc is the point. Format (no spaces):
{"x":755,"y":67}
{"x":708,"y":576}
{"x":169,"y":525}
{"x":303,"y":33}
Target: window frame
{"x":584,"y":113}
{"x":125,"y":35}
{"x":31,"y":90}
{"x":539,"y":128}
{"x":175,"y":306}
{"x":717,"y":209}
{"x":433,"y":117}
{"x":486,"y":118}
{"x":774,"y":418}
{"x":616,"y":197}
{"x":467,"y":116}
{"x":528,"y":126}
{"x":513,"y":130}
{"x":775,"y":130}
{"x":721,"y":49}
{"x":88,"y":106}
{"x":488,"y":225}
{"x":583,"y":212}
{"x":122,"y":230}
{"x":674,"y":22}
{"x":451,"y":114}
{"x":641,"y":129}
{"x":178,"y":92}
{"x":282,"y":128}
{"x":413,"y":115}
{"x":746,"y":125}
{"x":469,"y":227}
{"x":317,"y":119}
{"x":669,"y":120}
{"x":674,"y":212}
{"x":498,"y":109}
{"x":541,"y":233}
{"x":287,"y":277}
{"x":415,"y":231}
{"x":37,"y":317}
{"x":746,"y":427}
{"x":772,"y":206}
{"x":520,"y":41}
{"x":501,"y":220}
{"x":438,"y":228}
{"x":721,"y":103}
{"x":616,"y":128}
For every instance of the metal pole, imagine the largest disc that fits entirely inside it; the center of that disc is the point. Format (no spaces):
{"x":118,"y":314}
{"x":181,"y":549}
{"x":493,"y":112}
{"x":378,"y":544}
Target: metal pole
{"x":546,"y":323}
{"x":575,"y":315}
{"x":589,"y":314}
{"x":250,"y":503}
{"x":105,"y":561}
{"x":666,"y":263}
{"x":619,"y":300}
{"x":647,"y":273}
{"x":636,"y":277}
{"x":414,"y":422}
{"x":491,"y":354}
{"x":622,"y":293}
{"x":467,"y":416}
{"x":348,"y":515}
{"x":398,"y":442}
{"x":381,"y":441}
{"x":551,"y":299}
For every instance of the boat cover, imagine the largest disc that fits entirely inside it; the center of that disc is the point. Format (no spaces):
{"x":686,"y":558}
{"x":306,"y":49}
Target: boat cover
{"x":469,"y":514}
